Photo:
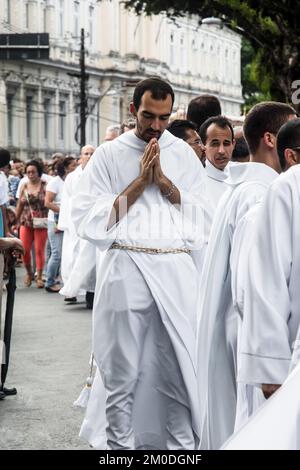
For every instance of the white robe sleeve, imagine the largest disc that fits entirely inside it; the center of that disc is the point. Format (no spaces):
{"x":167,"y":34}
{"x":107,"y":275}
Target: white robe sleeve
{"x":265,"y":348}
{"x":93,"y":201}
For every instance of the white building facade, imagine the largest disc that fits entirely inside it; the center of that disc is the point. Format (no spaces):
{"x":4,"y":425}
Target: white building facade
{"x":39,"y":99}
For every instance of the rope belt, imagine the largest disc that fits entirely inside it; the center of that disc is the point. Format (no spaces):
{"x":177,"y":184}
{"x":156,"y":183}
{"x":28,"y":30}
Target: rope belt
{"x":151,"y":251}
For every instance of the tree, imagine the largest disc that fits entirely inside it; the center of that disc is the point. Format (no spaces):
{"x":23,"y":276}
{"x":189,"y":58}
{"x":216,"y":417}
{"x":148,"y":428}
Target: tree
{"x":271,"y":27}
{"x":255,"y":79}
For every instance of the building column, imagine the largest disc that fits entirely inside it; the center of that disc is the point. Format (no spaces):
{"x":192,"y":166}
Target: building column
{"x":56,"y":121}
{"x":22,"y":123}
{"x":3,"y":114}
{"x":39,"y":139}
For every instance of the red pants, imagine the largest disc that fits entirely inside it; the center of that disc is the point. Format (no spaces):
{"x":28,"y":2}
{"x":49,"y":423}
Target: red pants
{"x":29,"y":235}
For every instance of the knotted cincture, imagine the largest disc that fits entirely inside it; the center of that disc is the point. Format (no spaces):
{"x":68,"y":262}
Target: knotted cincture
{"x":83,"y":399}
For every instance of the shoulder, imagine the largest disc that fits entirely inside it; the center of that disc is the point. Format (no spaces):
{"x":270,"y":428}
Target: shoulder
{"x":52,"y":185}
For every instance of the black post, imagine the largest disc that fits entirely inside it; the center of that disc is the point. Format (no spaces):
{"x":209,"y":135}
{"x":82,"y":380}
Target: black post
{"x":83,"y":79}
{"x":10,"y":288}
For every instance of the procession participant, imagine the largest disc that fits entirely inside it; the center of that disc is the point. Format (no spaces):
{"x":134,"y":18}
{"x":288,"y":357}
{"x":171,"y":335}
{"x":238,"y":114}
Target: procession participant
{"x":71,"y":242}
{"x":217,"y":328}
{"x":271,"y":292}
{"x":187,"y":131}
{"x":218,"y":138}
{"x":135,"y":200}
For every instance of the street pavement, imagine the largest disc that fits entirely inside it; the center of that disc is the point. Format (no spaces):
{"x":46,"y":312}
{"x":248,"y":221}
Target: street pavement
{"x":49,"y":363}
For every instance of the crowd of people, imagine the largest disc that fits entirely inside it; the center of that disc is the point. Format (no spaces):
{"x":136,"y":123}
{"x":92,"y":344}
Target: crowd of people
{"x":186,"y":230}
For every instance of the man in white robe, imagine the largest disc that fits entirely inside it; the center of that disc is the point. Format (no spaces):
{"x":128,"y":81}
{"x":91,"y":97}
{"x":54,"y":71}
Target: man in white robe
{"x":217,"y":328}
{"x":71,"y":241}
{"x":275,"y":425}
{"x":136,"y":199}
{"x":187,"y":131}
{"x":271,"y":305}
{"x":272,"y":312}
{"x":217,"y":135}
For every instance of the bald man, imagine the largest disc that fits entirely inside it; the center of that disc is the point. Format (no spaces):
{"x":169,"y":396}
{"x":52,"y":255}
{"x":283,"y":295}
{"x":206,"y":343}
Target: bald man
{"x":71,"y":242}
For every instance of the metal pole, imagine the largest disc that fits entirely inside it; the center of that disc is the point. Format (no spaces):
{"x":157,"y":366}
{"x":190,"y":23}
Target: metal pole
{"x":82,"y":90}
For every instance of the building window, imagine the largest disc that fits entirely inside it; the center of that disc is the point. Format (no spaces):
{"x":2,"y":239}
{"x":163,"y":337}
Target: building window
{"x":9,"y":100}
{"x":47,"y":104}
{"x":76,"y":19}
{"x":91,"y":14}
{"x":183,"y":57}
{"x":172,"y":55}
{"x":61,"y":17}
{"x":62,"y":120}
{"x":8,"y":15}
{"x":45,"y":20}
{"x":26,"y":16}
{"x":29,"y":119}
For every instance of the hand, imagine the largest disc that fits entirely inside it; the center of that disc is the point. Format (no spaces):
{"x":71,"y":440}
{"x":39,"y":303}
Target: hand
{"x":17,"y":246}
{"x":148,"y":161}
{"x":269,"y":389}
{"x":159,"y":178}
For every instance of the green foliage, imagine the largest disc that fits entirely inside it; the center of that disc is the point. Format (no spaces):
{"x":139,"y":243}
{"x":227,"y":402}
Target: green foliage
{"x":271,"y":28}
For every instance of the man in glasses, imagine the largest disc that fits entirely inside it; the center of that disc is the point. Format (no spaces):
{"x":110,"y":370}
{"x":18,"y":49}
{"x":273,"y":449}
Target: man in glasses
{"x":187,"y":130}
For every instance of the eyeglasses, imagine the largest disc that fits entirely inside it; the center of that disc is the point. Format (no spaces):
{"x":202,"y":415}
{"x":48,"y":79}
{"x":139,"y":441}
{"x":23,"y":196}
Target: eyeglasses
{"x":294,"y":148}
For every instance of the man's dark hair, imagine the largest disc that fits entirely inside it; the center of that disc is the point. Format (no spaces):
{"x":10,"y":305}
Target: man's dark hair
{"x":37,"y":165}
{"x":202,"y":108}
{"x":267,"y":116}
{"x":241,"y":150}
{"x":288,"y":137}
{"x":178,"y":127}
{"x":159,"y":90}
{"x":4,"y":157}
{"x":220,"y":121}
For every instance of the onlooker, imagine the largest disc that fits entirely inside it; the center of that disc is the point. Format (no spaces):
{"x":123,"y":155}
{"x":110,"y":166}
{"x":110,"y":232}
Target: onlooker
{"x":111,"y":133}
{"x":203,"y":107}
{"x":4,"y":160}
{"x":31,"y":204}
{"x":55,"y":236}
{"x":46,"y":178}
{"x":127,"y":125}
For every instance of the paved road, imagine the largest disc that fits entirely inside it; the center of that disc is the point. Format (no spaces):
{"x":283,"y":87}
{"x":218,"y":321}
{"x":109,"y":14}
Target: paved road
{"x":48,"y":366}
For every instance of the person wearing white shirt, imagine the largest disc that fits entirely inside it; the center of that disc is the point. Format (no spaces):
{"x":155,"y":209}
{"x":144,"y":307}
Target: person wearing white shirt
{"x":53,"y":198}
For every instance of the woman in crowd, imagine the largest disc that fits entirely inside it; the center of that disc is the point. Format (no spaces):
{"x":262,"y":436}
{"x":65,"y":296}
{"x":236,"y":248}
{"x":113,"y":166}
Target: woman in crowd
{"x":31,"y":205}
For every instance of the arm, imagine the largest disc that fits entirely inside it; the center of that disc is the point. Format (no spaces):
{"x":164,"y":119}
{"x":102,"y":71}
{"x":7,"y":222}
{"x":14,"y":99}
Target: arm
{"x":265,"y":350}
{"x":129,"y":196}
{"x":5,"y":226}
{"x":167,"y":188}
{"x":49,"y":202}
{"x":11,"y":244}
{"x":20,"y":206}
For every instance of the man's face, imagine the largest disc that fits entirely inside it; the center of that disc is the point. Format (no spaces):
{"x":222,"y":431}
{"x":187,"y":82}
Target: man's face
{"x":219,"y":146}
{"x":152,"y":116}
{"x":193,"y":139}
{"x":85,"y":155}
{"x":20,"y":167}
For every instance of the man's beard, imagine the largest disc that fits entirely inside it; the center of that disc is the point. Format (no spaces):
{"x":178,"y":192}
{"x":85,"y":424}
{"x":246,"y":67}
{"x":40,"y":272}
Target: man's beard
{"x":144,"y":136}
